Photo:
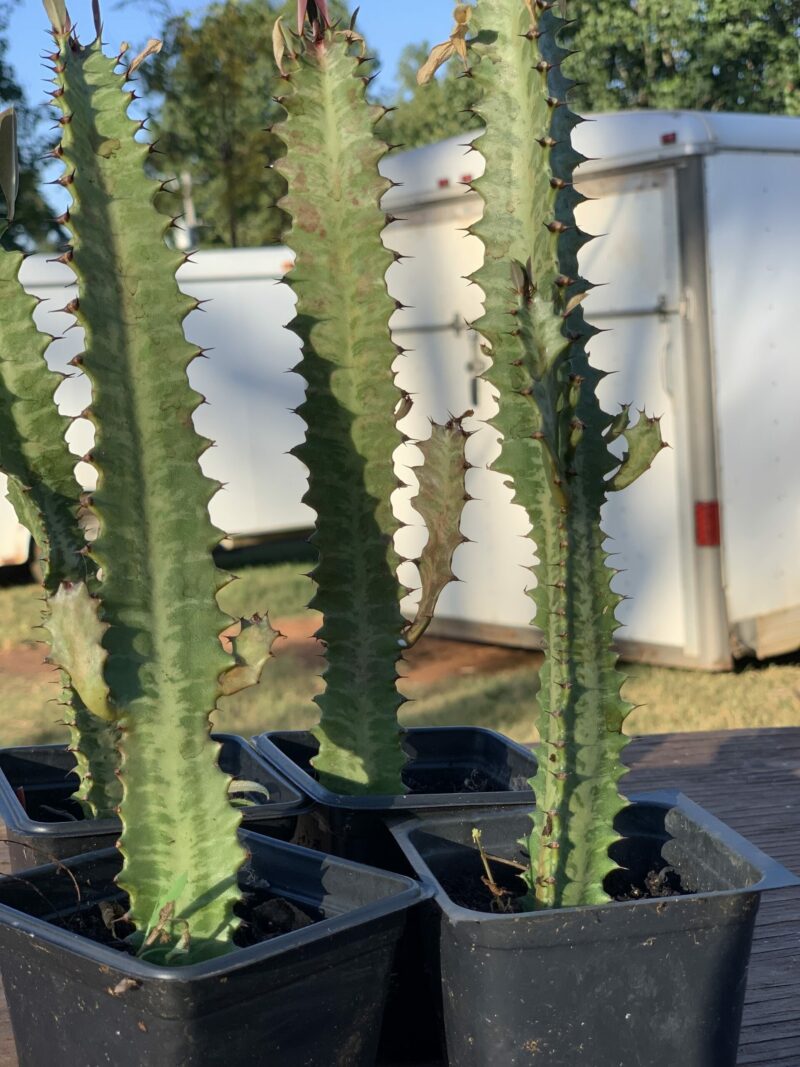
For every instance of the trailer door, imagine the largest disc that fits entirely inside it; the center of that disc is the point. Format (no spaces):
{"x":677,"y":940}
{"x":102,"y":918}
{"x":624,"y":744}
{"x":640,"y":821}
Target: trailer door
{"x":650,"y":525}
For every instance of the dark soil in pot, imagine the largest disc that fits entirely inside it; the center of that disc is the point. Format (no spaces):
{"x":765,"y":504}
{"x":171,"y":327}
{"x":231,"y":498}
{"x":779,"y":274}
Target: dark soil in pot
{"x":468,"y":886}
{"x":263,"y":917}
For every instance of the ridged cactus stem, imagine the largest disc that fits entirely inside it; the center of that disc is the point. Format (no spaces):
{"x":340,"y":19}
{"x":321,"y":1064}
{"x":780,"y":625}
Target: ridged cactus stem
{"x":160,"y":653}
{"x":555,"y":438}
{"x":42,"y":486}
{"x":343,"y":312}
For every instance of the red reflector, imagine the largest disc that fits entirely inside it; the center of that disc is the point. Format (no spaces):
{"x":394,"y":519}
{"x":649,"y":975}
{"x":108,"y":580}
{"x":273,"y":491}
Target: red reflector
{"x":669,"y":138}
{"x":443,"y":183}
{"x":706,"y":524}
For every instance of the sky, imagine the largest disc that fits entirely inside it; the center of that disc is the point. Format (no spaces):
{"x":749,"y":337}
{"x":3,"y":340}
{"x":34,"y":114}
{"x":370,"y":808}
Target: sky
{"x":389,"y":25}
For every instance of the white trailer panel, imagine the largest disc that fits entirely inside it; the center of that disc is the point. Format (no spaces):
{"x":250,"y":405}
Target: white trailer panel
{"x":697,"y":287}
{"x":753,"y":240}
{"x":249,"y":352}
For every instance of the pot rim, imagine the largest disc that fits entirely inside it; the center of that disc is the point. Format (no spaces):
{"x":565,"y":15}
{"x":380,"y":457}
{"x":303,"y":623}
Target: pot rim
{"x":383,"y":802}
{"x":773,"y":874}
{"x":409,"y":892}
{"x":17,"y":821}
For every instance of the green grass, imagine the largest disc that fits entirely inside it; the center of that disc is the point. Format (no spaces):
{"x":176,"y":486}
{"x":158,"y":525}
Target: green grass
{"x":671,"y":699}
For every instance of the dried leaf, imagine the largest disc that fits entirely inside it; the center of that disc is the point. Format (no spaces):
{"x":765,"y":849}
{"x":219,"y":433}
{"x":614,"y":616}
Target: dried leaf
{"x":159,"y":931}
{"x":58,"y":15}
{"x":457,"y":45}
{"x":163,"y":913}
{"x":244,"y":785}
{"x":152,"y":48}
{"x":574,"y":301}
{"x":125,"y":986}
{"x":355,"y":38}
{"x":9,"y":160}
{"x":438,"y":57}
{"x":278,"y":45}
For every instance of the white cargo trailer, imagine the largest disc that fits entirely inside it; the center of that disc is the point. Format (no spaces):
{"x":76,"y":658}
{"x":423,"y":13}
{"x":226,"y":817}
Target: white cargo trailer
{"x":698,"y":265}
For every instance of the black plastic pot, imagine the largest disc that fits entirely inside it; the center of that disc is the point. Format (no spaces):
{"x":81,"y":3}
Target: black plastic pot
{"x":450,"y":769}
{"x":310,"y":998}
{"x":647,"y":983}
{"x":38,"y":833}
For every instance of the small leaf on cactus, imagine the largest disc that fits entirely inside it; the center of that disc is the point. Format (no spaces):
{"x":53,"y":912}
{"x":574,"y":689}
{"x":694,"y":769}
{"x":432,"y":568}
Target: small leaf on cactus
{"x":440,"y":502}
{"x":76,"y":639}
{"x":252,"y":648}
{"x":644,"y":443}
{"x":619,"y":424}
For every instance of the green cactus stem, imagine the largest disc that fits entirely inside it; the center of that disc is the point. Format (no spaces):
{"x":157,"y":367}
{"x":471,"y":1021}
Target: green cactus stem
{"x":41,"y":482}
{"x":163,"y":657}
{"x":555,"y":438}
{"x":332,"y":155}
{"x":440,"y":501}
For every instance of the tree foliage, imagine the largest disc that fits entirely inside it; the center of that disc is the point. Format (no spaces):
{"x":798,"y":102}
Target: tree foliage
{"x":715,"y":55}
{"x":216,"y":82}
{"x":35,"y":224}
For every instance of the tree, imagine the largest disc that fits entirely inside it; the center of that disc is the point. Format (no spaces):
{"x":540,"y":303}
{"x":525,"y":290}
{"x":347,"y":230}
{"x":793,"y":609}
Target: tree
{"x":34,"y":225}
{"x":716,"y":55}
{"x":216,"y":82}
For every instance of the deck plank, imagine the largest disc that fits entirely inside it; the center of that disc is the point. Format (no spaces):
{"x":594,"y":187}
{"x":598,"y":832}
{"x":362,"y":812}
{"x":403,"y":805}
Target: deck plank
{"x":751,"y":779}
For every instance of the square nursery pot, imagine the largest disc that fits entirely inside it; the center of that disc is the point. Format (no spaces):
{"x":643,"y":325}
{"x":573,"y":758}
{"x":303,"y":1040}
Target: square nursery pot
{"x":644,"y":983}
{"x":51,"y":825}
{"x":313,"y":997}
{"x":450,"y":770}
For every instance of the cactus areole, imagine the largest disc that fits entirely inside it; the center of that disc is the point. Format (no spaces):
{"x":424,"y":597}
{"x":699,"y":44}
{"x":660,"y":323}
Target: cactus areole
{"x":557,"y":442}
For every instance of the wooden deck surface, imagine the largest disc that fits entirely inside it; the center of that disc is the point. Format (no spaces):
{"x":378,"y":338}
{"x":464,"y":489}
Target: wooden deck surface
{"x":751,"y":779}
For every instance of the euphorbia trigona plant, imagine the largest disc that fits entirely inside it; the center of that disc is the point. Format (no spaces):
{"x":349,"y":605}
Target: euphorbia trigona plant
{"x":556,"y":439}
{"x":352,"y":405}
{"x":133,"y":616}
